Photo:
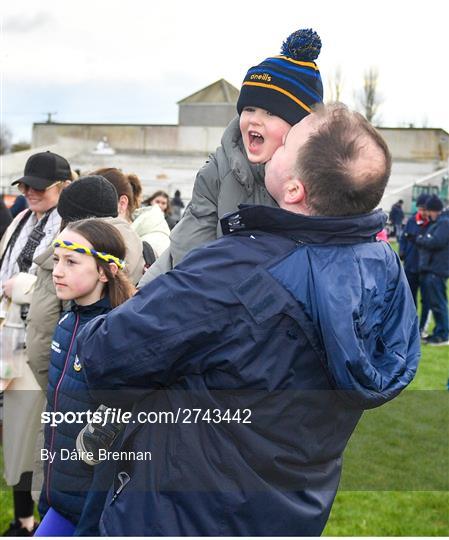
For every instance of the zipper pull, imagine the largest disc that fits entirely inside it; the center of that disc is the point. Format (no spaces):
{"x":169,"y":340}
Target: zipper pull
{"x":124,"y":479}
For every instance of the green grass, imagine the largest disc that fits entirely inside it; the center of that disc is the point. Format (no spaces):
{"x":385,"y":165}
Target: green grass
{"x":389,"y":513}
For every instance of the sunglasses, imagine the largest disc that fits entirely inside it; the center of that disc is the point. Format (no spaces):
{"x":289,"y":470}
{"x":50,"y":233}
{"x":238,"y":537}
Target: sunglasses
{"x":24,"y":188}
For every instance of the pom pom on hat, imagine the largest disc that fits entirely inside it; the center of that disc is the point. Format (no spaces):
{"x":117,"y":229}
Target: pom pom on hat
{"x":302,"y":45}
{"x":287,"y":85}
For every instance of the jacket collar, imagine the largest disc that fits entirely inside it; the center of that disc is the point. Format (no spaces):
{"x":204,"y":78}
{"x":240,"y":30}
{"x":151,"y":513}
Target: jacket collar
{"x":305,"y":229}
{"x":97,"y":308}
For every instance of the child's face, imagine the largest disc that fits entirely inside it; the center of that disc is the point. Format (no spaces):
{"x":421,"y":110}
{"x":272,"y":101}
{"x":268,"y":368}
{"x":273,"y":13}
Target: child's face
{"x":76,"y":275}
{"x":262,"y":133}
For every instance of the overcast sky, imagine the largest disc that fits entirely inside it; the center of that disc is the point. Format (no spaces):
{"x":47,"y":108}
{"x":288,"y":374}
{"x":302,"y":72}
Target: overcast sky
{"x":117,"y":61}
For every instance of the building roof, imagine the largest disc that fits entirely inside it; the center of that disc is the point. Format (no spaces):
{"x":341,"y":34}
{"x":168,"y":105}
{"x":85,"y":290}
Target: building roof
{"x":220,"y":91}
{"x":409,"y":129}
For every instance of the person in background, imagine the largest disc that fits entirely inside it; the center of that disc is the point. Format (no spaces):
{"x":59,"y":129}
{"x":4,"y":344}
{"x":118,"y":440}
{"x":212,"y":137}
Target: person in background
{"x":148,"y":222}
{"x":433,"y":248}
{"x":129,"y":190}
{"x":408,"y":252}
{"x":5,"y":217}
{"x":31,"y":232}
{"x":396,"y":218}
{"x":275,"y":94}
{"x":20,"y":204}
{"x":162,"y":199}
{"x":177,"y":206}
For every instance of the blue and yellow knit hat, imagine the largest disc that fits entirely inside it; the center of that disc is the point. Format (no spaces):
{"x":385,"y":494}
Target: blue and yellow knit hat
{"x":286,"y":85}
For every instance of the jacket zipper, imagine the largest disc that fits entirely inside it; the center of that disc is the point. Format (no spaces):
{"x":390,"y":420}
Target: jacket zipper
{"x":55,"y":402}
{"x":124,"y":478}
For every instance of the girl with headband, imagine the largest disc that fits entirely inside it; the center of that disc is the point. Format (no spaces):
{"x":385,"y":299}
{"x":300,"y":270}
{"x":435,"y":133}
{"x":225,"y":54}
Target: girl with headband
{"x":89,"y":269}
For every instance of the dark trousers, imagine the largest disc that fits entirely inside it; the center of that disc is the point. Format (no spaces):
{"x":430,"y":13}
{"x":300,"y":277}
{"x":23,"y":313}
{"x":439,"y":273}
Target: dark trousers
{"x":398,"y":230}
{"x":416,"y":282}
{"x":435,"y":287}
{"x":23,"y":502}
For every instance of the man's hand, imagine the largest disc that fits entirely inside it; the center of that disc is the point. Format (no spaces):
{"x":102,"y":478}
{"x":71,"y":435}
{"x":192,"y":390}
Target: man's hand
{"x":410,"y":237}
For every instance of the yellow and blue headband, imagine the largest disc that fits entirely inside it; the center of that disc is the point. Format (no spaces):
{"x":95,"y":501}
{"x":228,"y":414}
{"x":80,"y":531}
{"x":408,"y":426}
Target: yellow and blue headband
{"x":79,"y":248}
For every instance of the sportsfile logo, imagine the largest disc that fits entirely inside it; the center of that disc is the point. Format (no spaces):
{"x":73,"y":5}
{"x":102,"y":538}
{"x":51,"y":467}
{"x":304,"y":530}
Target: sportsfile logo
{"x":177,"y":416}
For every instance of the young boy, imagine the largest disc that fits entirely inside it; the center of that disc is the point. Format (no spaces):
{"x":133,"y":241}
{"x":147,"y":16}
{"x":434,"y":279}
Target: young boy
{"x":275,"y":95}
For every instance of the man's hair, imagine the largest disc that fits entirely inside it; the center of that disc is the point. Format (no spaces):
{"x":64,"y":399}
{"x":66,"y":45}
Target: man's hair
{"x":344,"y":165}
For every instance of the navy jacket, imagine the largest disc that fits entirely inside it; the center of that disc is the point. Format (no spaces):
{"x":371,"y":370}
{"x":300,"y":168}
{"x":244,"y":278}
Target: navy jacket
{"x":434,"y":248}
{"x":408,"y":249}
{"x":67,"y":481}
{"x":303,"y":321}
{"x":396,"y":214}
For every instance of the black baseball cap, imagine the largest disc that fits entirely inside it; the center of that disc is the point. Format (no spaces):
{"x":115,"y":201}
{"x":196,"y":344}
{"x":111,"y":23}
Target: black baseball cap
{"x":44,"y":169}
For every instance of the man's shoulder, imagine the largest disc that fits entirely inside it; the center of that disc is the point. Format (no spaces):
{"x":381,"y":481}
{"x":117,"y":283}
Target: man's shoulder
{"x":443,"y":221}
{"x":243,"y":245}
{"x":440,"y":226}
{"x":342,"y":266}
{"x":232,"y":257}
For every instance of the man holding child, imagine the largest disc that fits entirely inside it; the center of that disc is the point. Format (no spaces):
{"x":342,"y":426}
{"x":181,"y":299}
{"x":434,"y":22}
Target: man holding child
{"x":297,"y":314}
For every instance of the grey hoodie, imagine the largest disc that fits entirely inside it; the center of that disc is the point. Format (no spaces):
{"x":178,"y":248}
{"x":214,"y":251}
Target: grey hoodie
{"x":226,"y":180}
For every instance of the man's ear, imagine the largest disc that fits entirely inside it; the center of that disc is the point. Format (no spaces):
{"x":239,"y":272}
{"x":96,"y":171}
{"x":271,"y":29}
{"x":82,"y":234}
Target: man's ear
{"x":294,"y":191}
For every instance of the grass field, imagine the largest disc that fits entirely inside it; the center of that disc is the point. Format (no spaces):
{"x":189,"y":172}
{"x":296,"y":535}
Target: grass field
{"x":395,"y":478}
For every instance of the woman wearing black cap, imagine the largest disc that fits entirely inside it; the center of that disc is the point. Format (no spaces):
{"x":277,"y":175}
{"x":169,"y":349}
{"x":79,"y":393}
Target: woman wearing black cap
{"x":30,"y":233}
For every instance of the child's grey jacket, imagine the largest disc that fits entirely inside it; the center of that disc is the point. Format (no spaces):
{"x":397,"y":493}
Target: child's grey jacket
{"x":226,"y":180}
